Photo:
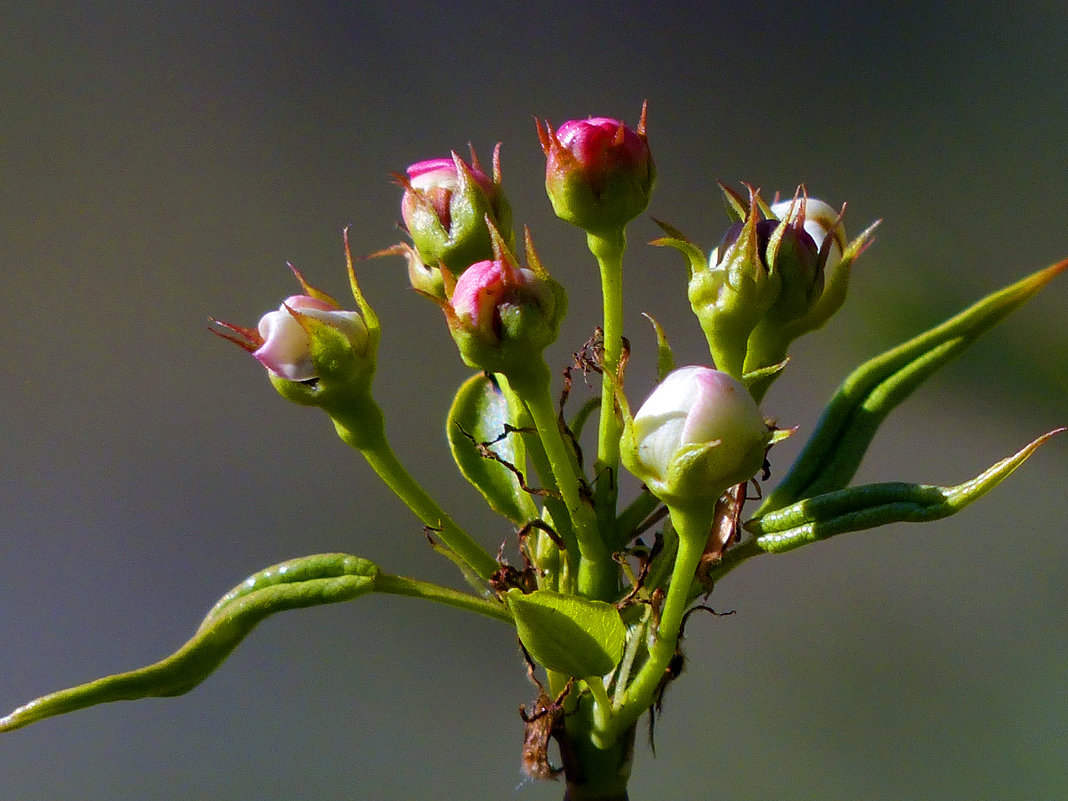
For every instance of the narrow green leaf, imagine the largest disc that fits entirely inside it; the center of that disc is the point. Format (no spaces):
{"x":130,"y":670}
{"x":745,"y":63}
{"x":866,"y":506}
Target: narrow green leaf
{"x":832,"y":455}
{"x":307,"y":581}
{"x":486,"y":453}
{"x":872,"y":505}
{"x":569,"y":634}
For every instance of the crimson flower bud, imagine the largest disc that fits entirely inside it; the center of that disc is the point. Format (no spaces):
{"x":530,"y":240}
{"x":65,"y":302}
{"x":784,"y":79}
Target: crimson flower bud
{"x":445,"y":206}
{"x":502,"y":316}
{"x":599,"y":174}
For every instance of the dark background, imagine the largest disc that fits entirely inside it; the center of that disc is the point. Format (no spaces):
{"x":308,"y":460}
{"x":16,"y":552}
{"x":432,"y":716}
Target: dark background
{"x":161,"y":163}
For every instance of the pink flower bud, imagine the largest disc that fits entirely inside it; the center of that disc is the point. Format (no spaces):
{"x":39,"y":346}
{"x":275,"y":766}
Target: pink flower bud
{"x":481,"y":288}
{"x":699,"y":432}
{"x":438,"y":180}
{"x":502,"y":316}
{"x":286,"y":348}
{"x":445,"y":206}
{"x":599,"y":173}
{"x":488,"y":290}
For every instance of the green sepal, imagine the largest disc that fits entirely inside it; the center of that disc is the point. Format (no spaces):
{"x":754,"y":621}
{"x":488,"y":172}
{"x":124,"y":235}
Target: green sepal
{"x":763,"y":377}
{"x":665,"y":357}
{"x":307,"y":581}
{"x":832,"y":455}
{"x":478,"y":425}
{"x":567,"y":633}
{"x":871,"y":505}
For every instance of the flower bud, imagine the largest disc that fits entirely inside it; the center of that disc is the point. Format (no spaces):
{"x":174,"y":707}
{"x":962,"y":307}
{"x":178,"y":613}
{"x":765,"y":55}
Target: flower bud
{"x":445,"y":206}
{"x":765,"y":284}
{"x":315,"y":352}
{"x":287,"y":335}
{"x":503,"y":316}
{"x":819,"y":219}
{"x":730,"y":294}
{"x":813,"y":262}
{"x":697,"y":434}
{"x":787,"y":252}
{"x":599,"y":173}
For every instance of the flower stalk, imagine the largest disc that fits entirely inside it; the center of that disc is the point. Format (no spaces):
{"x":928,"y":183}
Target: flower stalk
{"x":363,"y":428}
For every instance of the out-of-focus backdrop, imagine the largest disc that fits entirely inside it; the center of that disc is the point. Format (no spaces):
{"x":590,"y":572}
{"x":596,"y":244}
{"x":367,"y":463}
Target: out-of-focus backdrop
{"x":160,"y":162}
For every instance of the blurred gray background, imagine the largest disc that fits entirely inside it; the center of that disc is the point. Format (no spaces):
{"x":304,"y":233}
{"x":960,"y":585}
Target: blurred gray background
{"x":160,"y":162}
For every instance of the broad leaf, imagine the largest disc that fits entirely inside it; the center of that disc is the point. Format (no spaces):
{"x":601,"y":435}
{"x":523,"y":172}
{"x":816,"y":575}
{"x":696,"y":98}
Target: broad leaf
{"x":488,"y":455}
{"x":567,"y":633}
{"x":308,"y":581}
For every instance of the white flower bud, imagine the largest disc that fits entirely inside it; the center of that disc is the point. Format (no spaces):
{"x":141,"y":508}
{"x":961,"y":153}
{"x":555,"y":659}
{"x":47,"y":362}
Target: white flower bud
{"x":698,"y":433}
{"x":286,"y":346}
{"x":819,"y":221}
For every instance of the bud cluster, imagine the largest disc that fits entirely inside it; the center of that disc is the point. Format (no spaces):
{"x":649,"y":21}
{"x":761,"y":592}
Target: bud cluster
{"x":778,"y":272}
{"x":601,"y":612}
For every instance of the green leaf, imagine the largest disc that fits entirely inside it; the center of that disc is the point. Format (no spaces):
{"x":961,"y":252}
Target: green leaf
{"x":567,"y":633}
{"x":874,"y":505}
{"x":483,"y":449}
{"x":307,"y":581}
{"x":832,"y":455}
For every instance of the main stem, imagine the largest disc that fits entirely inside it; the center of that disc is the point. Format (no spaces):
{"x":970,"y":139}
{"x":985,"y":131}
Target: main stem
{"x":594,"y":773}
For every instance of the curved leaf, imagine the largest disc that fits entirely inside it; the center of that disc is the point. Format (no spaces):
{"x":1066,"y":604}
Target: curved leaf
{"x":871,"y":505}
{"x":483,"y":447}
{"x":307,"y":581}
{"x":832,"y":455}
{"x":569,"y":634}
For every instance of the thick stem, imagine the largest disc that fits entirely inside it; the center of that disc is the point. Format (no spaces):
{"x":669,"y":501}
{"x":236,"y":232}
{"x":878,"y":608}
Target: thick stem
{"x":593,"y":773}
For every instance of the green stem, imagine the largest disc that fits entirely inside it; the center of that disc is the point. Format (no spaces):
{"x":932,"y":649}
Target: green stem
{"x":602,"y":710}
{"x":362,"y":426}
{"x":401,"y":585}
{"x":536,"y":450}
{"x":693,"y":533}
{"x":635,"y":639}
{"x":597,"y":574}
{"x":594,"y":773}
{"x":608,"y":249}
